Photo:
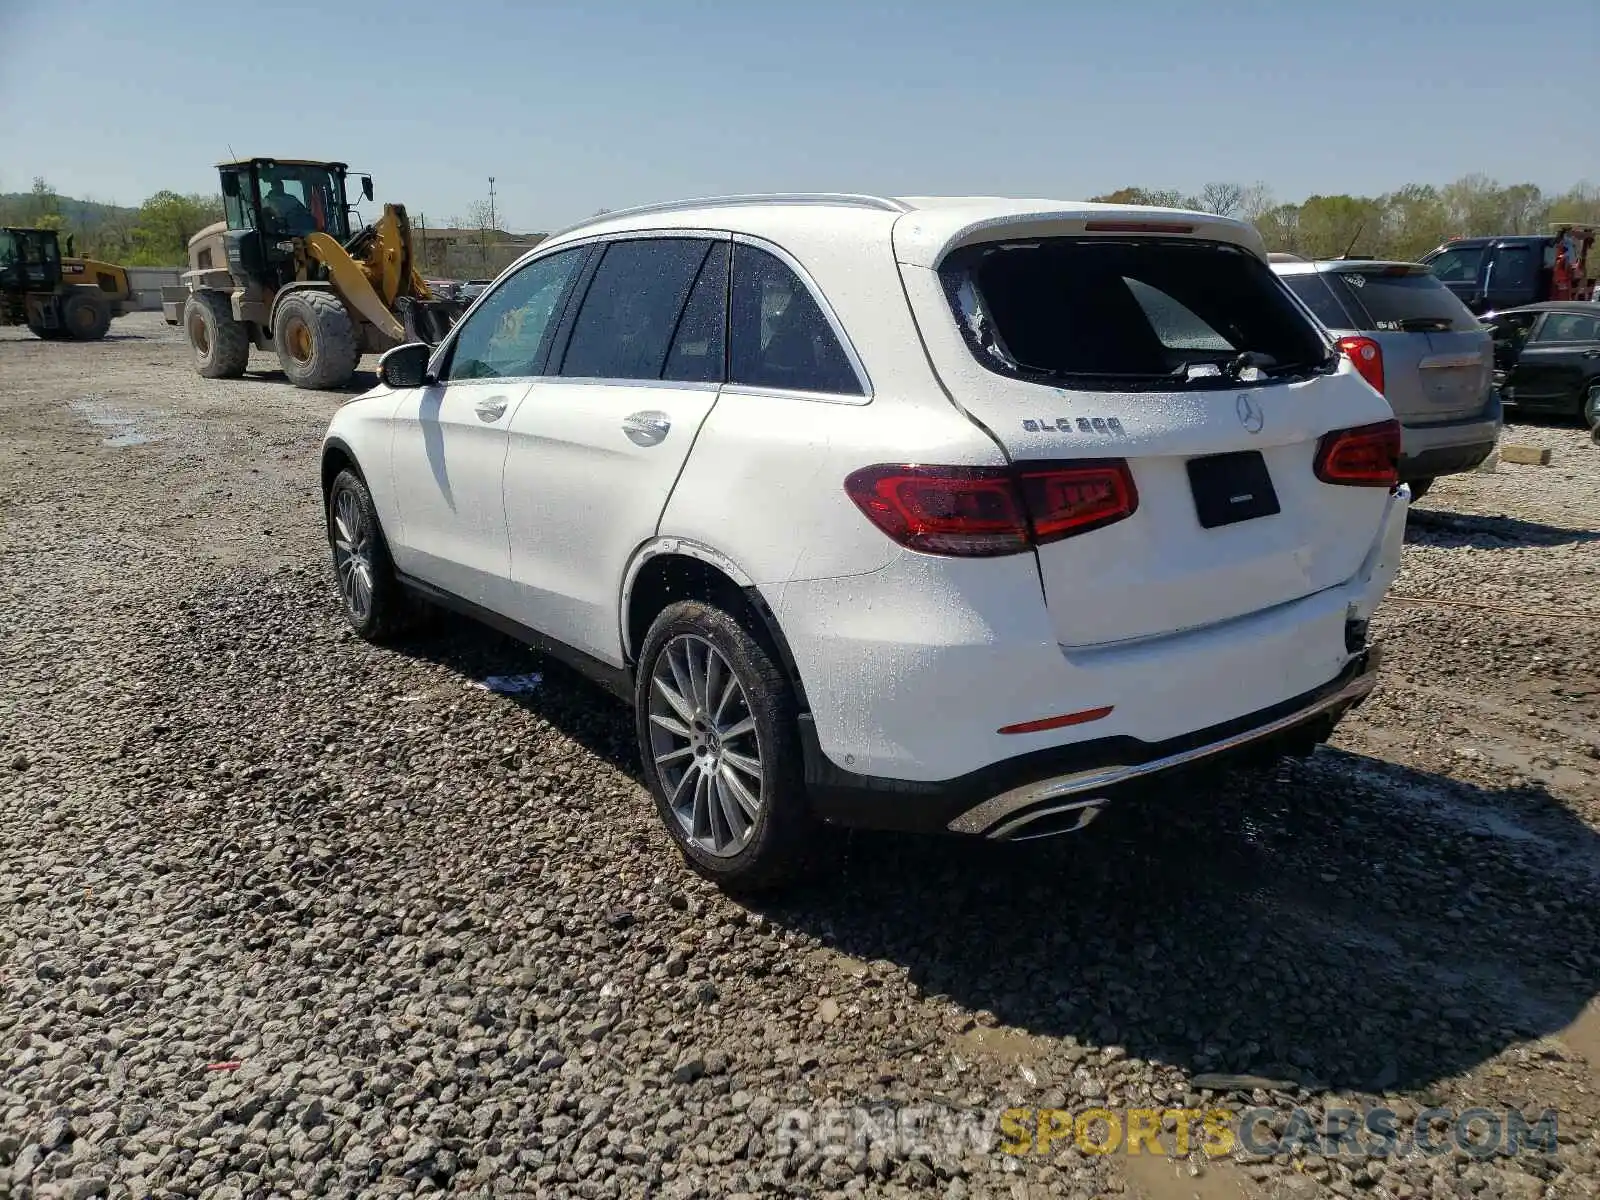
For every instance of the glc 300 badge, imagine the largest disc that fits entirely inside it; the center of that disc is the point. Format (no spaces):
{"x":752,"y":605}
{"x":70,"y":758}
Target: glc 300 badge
{"x":1110,"y":425}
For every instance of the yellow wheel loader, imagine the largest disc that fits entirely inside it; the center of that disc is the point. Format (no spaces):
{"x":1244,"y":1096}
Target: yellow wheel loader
{"x":57,"y":297}
{"x":285,"y":272}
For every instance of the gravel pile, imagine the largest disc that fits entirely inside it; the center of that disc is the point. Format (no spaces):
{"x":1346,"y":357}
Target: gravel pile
{"x":282,"y":914}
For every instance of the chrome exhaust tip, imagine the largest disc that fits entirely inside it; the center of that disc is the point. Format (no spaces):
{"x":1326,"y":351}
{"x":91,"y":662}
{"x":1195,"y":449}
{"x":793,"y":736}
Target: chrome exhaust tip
{"x":1051,"y":822}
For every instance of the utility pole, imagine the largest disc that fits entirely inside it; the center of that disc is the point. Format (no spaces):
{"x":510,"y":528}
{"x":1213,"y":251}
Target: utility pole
{"x":492,"y":224}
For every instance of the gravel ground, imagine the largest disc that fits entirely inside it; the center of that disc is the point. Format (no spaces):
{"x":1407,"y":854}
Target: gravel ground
{"x":285,"y":914}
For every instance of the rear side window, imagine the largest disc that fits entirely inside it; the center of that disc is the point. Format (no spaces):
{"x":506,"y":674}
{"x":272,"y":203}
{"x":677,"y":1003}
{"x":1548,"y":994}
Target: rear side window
{"x":1316,"y":295}
{"x":1407,"y":300}
{"x":1511,"y":269}
{"x":778,"y":335}
{"x":1151,"y":312}
{"x":1569,"y":327}
{"x":630,"y":312}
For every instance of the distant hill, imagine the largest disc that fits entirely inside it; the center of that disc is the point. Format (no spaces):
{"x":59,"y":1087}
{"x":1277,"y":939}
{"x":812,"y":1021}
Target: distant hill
{"x":87,"y":216}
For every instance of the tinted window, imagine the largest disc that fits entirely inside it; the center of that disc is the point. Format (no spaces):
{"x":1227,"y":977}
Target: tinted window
{"x":631,"y":309}
{"x":1408,"y":300}
{"x":778,"y":335}
{"x":699,"y":348}
{"x":1569,"y":327}
{"x":1457,"y":266}
{"x":1319,"y":298}
{"x":505,"y":335}
{"x":1132,"y":312}
{"x":1511,"y":269}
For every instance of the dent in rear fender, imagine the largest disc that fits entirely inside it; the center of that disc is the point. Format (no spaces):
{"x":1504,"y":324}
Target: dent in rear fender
{"x":1383,"y":563}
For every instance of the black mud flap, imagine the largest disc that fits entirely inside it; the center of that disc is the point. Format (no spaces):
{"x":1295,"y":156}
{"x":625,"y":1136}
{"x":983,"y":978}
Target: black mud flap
{"x":427,"y":320}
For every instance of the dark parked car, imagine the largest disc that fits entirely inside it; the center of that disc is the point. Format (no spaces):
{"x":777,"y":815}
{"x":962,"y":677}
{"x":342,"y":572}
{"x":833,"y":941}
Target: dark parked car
{"x":1547,"y":357}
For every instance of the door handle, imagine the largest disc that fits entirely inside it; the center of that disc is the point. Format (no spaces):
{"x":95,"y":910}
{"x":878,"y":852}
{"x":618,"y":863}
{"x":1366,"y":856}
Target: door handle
{"x":491,"y":410}
{"x":647,"y":428}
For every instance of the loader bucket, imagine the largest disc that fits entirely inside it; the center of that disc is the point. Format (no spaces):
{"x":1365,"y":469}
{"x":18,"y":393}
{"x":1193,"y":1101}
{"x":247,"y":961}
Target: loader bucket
{"x":428,"y":320}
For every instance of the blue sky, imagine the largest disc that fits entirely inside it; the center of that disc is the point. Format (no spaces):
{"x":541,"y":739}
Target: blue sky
{"x":578,"y":106}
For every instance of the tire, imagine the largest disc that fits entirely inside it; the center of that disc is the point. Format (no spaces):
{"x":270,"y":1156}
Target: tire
{"x":316,"y":340}
{"x":1419,"y":487}
{"x":221,"y":345}
{"x":85,"y":315}
{"x":702,"y":797}
{"x":1591,"y":411}
{"x":373,"y":602}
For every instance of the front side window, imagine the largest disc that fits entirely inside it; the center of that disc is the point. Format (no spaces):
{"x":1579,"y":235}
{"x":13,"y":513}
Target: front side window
{"x":1104,"y":313}
{"x":507,"y":335}
{"x":778,"y":336}
{"x":630,"y":312}
{"x":1457,"y":266}
{"x":1568,"y":327}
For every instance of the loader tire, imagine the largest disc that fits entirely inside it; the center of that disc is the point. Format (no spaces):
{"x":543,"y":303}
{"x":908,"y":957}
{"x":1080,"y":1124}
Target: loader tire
{"x":221,"y":345}
{"x":316,"y":340}
{"x":85,"y":315}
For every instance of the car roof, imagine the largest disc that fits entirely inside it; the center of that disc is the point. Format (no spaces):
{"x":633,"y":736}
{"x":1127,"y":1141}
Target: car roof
{"x":1306,"y":266}
{"x":1587,"y":308}
{"x":924,"y":228}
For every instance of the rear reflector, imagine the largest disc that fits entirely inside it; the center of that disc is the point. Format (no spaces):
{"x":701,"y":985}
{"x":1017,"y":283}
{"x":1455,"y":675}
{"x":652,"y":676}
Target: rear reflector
{"x":1366,"y":456}
{"x":1367,"y":355}
{"x":1136,"y":227}
{"x":986,"y":511}
{"x":1061,"y":722}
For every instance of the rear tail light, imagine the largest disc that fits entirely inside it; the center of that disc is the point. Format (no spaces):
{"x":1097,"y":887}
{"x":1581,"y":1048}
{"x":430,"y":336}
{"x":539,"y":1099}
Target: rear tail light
{"x":1366,"y":456}
{"x":985,"y":511}
{"x":1368,"y":358}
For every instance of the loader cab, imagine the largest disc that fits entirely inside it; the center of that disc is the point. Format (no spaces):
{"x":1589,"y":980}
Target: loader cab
{"x":285,"y":198}
{"x":30,"y":260}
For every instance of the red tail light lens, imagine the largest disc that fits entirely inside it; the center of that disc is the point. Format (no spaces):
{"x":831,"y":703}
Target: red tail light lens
{"x":1366,"y":456}
{"x":985,"y":511}
{"x":1368,"y":358}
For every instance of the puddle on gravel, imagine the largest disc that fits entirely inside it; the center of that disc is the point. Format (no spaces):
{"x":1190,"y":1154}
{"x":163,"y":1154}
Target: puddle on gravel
{"x":1583,"y":1037}
{"x":121,"y":425}
{"x":1153,"y":1178}
{"x":1003,"y":1045}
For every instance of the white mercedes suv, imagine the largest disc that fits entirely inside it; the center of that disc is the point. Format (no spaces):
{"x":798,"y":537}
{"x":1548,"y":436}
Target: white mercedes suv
{"x":921,"y":514}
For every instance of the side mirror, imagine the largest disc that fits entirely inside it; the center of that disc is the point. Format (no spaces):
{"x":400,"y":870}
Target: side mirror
{"x":405,"y":366}
{"x":230,"y":186}
{"x":366,"y":186}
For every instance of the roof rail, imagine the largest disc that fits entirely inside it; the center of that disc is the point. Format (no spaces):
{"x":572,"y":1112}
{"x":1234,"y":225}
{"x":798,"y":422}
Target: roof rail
{"x":846,"y":199}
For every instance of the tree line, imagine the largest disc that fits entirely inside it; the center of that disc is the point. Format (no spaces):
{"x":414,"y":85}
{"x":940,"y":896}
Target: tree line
{"x":156,"y":234}
{"x":1401,"y":224}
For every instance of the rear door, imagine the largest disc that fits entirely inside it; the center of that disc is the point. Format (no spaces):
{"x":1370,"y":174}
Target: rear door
{"x":1089,"y":349}
{"x":597,"y":445}
{"x":1438,"y":359}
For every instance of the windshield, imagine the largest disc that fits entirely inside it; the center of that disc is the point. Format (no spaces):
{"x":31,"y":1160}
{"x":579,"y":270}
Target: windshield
{"x":298,"y":200}
{"x":1151,"y":312}
{"x":1407,"y":300}
{"x":1457,"y":266}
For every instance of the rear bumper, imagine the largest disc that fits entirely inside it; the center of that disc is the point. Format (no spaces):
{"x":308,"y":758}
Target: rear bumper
{"x":1449,"y":447}
{"x":1060,"y":789}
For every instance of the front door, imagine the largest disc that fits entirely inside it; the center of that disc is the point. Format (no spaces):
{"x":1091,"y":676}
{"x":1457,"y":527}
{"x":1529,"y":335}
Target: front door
{"x":597,"y":444}
{"x":1557,"y":363}
{"x":449,"y":437}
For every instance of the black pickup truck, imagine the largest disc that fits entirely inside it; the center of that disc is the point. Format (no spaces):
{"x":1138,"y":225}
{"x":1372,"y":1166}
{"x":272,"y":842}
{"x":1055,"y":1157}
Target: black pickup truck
{"x":1489,"y":274}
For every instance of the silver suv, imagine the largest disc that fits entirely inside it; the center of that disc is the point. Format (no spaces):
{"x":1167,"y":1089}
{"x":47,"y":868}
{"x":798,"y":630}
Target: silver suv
{"x":1415,"y":342}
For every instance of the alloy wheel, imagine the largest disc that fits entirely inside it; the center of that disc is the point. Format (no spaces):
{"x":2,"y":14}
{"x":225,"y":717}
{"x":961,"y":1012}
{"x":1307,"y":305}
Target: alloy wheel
{"x":352,"y":554}
{"x":706,"y":746}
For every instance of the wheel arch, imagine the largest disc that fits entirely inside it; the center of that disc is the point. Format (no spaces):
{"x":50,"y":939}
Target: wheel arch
{"x":338,"y":456}
{"x":668,"y":569}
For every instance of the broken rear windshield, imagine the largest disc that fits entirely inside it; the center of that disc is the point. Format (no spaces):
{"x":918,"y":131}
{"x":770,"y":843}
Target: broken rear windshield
{"x":1146,"y":312}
